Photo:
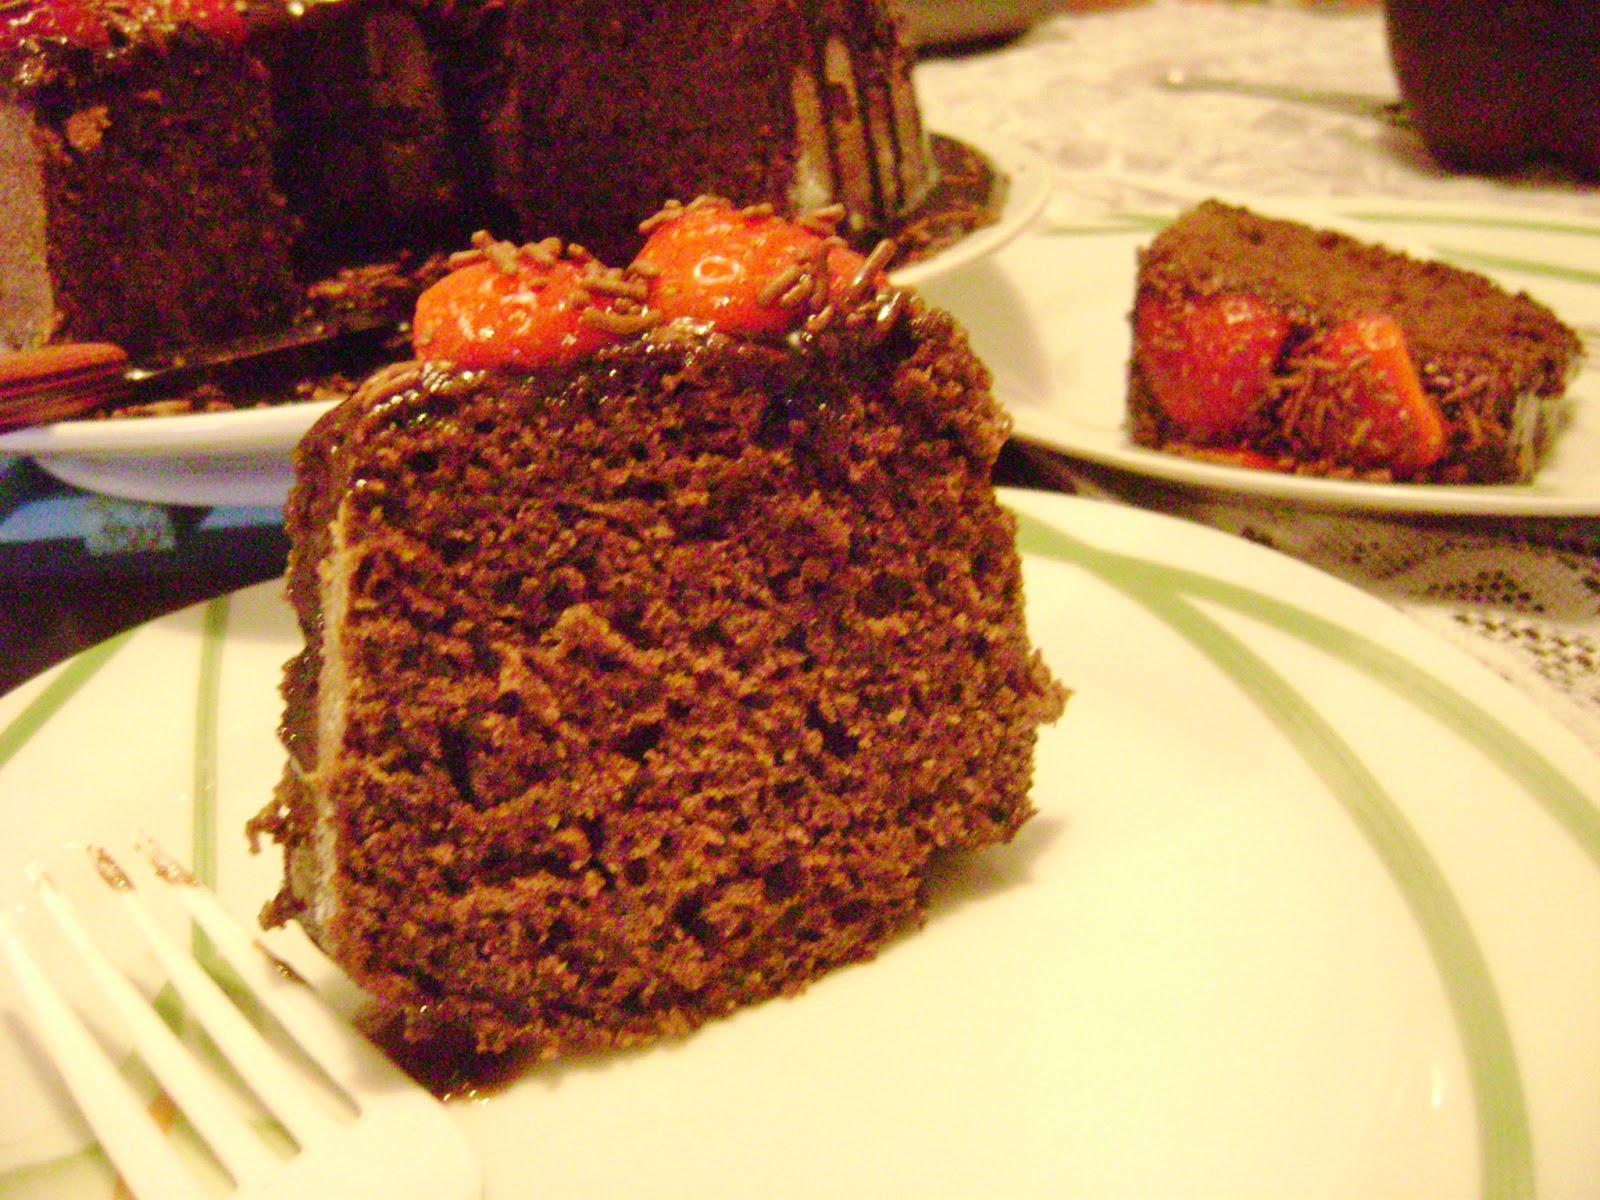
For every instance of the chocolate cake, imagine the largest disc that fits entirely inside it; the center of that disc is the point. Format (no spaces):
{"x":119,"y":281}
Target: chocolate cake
{"x":137,"y":199}
{"x":366,"y":150}
{"x":173,"y":174}
{"x":1264,"y":342}
{"x":607,"y":110}
{"x":647,"y":672}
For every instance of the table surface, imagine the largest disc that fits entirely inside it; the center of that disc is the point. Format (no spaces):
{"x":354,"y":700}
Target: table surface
{"x":1297,"y":103}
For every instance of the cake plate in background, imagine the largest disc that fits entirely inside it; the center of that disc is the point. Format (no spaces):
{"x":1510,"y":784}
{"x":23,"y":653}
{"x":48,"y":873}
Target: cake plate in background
{"x":243,"y":458}
{"x":1049,"y":314}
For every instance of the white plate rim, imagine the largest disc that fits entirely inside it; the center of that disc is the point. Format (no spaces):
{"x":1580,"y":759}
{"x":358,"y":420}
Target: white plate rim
{"x":1090,"y":443}
{"x":1027,"y":193}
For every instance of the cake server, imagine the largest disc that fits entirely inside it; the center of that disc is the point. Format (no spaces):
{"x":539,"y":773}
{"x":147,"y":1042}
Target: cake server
{"x":1393,"y":112}
{"x":60,"y":382}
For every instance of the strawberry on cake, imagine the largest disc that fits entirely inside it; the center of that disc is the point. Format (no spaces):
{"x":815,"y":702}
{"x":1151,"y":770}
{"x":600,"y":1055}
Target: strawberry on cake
{"x":1266,"y":343}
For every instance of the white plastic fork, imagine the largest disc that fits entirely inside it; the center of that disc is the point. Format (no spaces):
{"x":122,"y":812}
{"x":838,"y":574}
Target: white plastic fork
{"x":392,"y":1140}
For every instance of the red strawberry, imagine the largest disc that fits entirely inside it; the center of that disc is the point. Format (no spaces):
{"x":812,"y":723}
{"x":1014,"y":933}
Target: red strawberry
{"x":1380,"y":416}
{"x":71,"y":21}
{"x":739,"y":270}
{"x":1208,"y":361}
{"x":485,"y":315}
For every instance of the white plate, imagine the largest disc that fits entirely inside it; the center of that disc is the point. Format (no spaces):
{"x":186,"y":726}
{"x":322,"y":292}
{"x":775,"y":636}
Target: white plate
{"x":204,"y":459}
{"x":243,"y":457}
{"x":1310,"y":909}
{"x":1027,"y":192}
{"x":1049,"y":315}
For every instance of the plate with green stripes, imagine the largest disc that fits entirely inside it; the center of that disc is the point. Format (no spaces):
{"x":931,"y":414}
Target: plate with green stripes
{"x":1310,"y":908}
{"x":1049,"y":314}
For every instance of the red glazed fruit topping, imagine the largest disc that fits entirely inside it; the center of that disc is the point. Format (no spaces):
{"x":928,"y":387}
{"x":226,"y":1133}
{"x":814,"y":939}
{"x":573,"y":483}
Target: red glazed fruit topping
{"x":70,"y":21}
{"x":1371,"y":409}
{"x":741,"y":270}
{"x":221,"y":17}
{"x":1209,"y":362}
{"x":519,"y":309}
{"x":80,"y":23}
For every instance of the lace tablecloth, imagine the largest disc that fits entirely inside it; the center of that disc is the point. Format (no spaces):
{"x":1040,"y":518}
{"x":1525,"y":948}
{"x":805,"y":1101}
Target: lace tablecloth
{"x":1298,"y":103}
{"x":1197,"y":95}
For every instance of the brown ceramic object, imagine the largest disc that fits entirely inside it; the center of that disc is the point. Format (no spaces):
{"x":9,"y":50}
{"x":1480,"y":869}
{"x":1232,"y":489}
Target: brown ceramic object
{"x":1495,"y":85}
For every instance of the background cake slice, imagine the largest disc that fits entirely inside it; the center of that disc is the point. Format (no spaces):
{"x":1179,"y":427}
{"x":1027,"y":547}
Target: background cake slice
{"x":138,"y":203}
{"x":662,"y":629}
{"x":1268,"y":343}
{"x":604,"y":111}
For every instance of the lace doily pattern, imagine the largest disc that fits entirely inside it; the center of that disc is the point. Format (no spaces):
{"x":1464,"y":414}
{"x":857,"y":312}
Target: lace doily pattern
{"x":1276,"y":100}
{"x":1511,"y":597}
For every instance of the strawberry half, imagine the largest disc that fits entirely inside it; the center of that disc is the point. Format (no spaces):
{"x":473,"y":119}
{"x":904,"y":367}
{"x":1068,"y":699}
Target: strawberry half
{"x":1208,"y":361}
{"x":484,"y":315}
{"x":1370,"y":410}
{"x":739,"y":270}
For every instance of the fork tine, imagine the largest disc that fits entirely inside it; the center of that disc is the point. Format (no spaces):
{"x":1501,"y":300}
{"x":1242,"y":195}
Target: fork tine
{"x":198,"y":1095}
{"x":264,"y":1071}
{"x":441,"y":1163}
{"x":130,"y":1136}
{"x":313,"y":1025}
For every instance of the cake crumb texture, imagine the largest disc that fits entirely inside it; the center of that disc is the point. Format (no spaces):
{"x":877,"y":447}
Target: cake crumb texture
{"x":666,"y":677}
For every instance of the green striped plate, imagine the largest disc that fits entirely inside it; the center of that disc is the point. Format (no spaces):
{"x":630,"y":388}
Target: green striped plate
{"x":1311,"y":908}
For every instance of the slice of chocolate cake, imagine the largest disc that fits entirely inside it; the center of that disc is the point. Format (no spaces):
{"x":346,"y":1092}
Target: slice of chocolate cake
{"x":139,"y":205}
{"x":1267,"y":343}
{"x":661,"y":629}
